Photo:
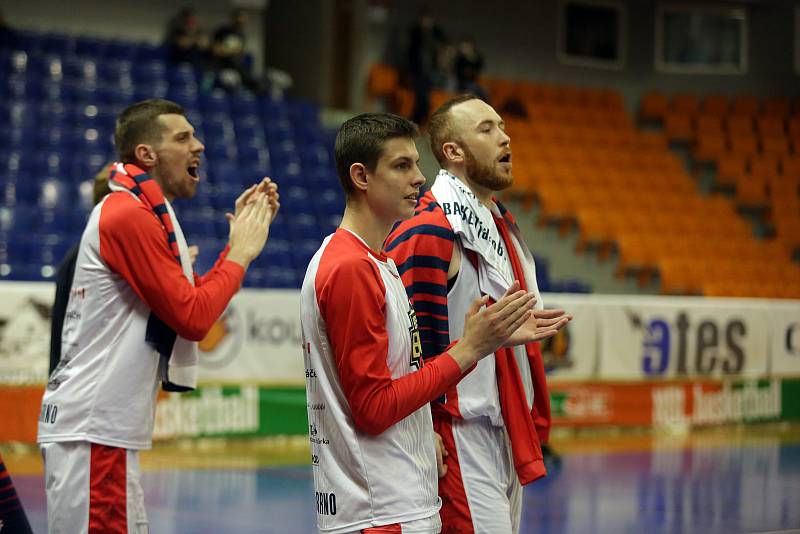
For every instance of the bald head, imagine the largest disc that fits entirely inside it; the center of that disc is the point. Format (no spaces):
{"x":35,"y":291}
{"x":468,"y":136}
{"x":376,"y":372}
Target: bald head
{"x":469,"y":140}
{"x":453,"y":119}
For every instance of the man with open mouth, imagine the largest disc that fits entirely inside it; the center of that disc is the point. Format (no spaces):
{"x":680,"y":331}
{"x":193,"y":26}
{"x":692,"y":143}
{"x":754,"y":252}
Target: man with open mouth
{"x":135,"y":313}
{"x":463,"y":244}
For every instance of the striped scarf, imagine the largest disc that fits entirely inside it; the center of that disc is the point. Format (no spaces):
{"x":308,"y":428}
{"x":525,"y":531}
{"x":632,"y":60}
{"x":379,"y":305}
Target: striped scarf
{"x":159,"y":334}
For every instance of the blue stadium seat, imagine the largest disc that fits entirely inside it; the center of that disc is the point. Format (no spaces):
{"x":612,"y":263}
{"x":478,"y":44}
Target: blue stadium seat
{"x":304,"y":226}
{"x":304,"y":113}
{"x":144,"y":72}
{"x":273,"y":110}
{"x":215,"y":102}
{"x":57,"y":43}
{"x":118,"y":49}
{"x":151,"y":52}
{"x":154,"y":89}
{"x":329,"y":201}
{"x":89,"y":47}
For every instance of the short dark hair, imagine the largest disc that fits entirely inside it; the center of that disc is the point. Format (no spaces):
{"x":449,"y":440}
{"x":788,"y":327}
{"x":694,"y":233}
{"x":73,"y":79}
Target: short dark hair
{"x":440,"y":127}
{"x":138,"y":123}
{"x":362,"y":138}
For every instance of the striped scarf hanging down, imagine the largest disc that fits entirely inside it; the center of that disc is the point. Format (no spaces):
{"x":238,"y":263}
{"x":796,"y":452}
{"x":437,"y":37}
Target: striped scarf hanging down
{"x":159,"y":335}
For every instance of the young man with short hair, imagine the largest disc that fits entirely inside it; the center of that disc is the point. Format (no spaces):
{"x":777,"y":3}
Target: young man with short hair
{"x":373,"y":448}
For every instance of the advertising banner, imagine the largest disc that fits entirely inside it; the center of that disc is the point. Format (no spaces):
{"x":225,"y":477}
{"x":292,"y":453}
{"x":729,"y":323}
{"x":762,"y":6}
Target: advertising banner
{"x":784,"y":322}
{"x":257,"y":340}
{"x":659,"y":337}
{"x":25,"y":332}
{"x":675,"y":404}
{"x":572,"y":353}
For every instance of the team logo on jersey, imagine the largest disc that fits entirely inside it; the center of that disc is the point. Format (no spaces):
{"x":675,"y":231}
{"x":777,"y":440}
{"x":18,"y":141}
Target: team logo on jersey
{"x":416,"y":342}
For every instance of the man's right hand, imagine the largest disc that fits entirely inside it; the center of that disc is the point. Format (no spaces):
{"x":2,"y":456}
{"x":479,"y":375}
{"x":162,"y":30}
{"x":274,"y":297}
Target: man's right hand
{"x":249,"y":228}
{"x":487,"y":328}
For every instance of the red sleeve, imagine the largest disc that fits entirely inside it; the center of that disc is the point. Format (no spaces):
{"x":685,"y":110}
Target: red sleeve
{"x":352,"y":304}
{"x":133,"y":244}
{"x":199,"y":279}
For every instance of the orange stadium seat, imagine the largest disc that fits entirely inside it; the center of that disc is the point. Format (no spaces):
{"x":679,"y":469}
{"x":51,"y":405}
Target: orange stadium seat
{"x":745,"y":105}
{"x":654,"y":106}
{"x":383,"y":80}
{"x":686,"y":104}
{"x":751,"y":191}
{"x":739,"y":125}
{"x":715,"y":105}
{"x":729,"y":168}
{"x":708,"y":124}
{"x":403,"y":102}
{"x":743,"y":145}
{"x":678,"y":127}
{"x":710,"y":147}
{"x":790,"y":166}
{"x":764,"y":166}
{"x":771,"y":127}
{"x":794,"y":129}
{"x":439,"y":97}
{"x":777,"y":106}
{"x":775,"y":146}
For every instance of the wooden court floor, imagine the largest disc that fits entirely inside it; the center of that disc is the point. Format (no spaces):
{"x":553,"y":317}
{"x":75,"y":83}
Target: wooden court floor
{"x":724,"y":480}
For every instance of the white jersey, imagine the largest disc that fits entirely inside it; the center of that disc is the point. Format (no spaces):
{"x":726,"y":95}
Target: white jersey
{"x":370,"y":427}
{"x":104,"y":389}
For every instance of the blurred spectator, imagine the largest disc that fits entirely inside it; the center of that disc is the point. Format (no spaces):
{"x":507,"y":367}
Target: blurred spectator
{"x":228,"y":58}
{"x":425,"y":40}
{"x":468,"y":67}
{"x":444,"y":75}
{"x":185,"y":40}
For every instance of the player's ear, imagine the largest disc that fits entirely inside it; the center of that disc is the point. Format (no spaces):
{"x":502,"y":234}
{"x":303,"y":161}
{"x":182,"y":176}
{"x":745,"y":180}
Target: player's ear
{"x":358,"y":176}
{"x":146,"y":155}
{"x":453,"y":152}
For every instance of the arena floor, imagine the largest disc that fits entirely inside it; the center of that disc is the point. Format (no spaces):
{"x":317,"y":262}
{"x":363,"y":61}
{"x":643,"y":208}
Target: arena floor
{"x":723,"y":480}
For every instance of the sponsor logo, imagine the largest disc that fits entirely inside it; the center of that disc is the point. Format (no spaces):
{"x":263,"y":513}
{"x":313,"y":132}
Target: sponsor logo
{"x":584,"y":403}
{"x":208,"y":412}
{"x":683,"y":348}
{"x":224,"y":341}
{"x":793,"y":339}
{"x":313,"y":438}
{"x":416,"y":342}
{"x":326,"y":503}
{"x":678,"y":405}
{"x":79,"y":292}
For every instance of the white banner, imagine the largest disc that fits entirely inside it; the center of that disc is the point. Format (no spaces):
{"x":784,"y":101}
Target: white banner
{"x":257,"y":339}
{"x":611,"y":337}
{"x":572,"y":353}
{"x":25,"y":332}
{"x":785,"y":339}
{"x":670,"y":337}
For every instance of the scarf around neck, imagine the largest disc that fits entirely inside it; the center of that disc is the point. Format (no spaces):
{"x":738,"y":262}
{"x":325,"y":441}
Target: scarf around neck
{"x":498,"y":265}
{"x":130,"y":178}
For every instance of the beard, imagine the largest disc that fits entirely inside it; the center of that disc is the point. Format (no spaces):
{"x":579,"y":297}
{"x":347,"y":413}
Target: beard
{"x":487,"y":176}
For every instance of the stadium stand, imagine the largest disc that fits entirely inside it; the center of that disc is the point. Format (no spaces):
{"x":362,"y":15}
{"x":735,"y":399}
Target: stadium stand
{"x":59,"y":96}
